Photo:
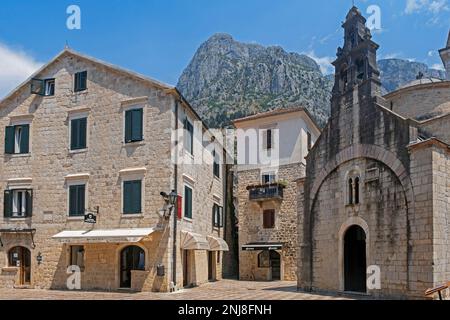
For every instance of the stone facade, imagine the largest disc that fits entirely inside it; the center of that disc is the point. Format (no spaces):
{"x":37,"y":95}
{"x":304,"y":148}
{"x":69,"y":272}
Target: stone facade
{"x":293,"y":126}
{"x":376,"y":188}
{"x":50,"y":166}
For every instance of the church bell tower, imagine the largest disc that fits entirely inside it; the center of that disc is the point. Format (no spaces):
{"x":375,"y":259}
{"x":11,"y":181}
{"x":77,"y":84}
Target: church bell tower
{"x":356,"y":63}
{"x":445,"y":56}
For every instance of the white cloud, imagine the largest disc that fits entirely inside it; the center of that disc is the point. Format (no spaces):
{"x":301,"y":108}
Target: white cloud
{"x":432,"y":6}
{"x":324,"y":62}
{"x":15,"y":67}
{"x":438,"y":66}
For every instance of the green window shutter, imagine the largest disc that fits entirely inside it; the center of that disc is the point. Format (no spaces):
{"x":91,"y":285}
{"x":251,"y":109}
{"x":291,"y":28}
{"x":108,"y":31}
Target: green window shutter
{"x":80,"y":81}
{"x":127,"y":197}
{"x":72,"y":201}
{"x":137,"y":124}
{"x":81,"y":199}
{"x":29,"y":203}
{"x":7,"y":203}
{"x":128,"y":126}
{"x":25,"y":141}
{"x":137,"y":197}
{"x":188,"y":202}
{"x":9,"y":140}
{"x":73,"y":134}
{"x":214,"y":215}
{"x":83,"y":133}
{"x":221,"y":217}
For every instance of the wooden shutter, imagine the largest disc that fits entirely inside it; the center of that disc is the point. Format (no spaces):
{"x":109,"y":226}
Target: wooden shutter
{"x":73,"y":197}
{"x":25,"y":140}
{"x":214,"y":216}
{"x":128,"y":126}
{"x":7,"y":203}
{"x":188,"y":202}
{"x":82,"y":133}
{"x":136,"y":124}
{"x":127,"y":197}
{"x":269,"y":219}
{"x":29,"y":203}
{"x":221,"y":217}
{"x":137,"y":196}
{"x":9,"y":140}
{"x":81,"y":190}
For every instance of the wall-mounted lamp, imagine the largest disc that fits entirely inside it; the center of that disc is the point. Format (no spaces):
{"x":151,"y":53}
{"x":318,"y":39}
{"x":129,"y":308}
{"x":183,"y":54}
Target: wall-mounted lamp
{"x":39,"y":258}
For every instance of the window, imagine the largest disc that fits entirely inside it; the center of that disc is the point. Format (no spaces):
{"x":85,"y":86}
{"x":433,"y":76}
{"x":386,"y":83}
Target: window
{"x":188,"y":136}
{"x":216,"y":165}
{"x":309,"y":141}
{"x":354,"y":186}
{"x":187,"y":202}
{"x":264,"y":259}
{"x":49,"y":86}
{"x":268,"y":178}
{"x":269,"y":219}
{"x":17,"y":139}
{"x":77,"y":200}
{"x":78,"y":131}
{"x":43,"y":87}
{"x":357,"y":190}
{"x":77,"y":256}
{"x":18,"y":203}
{"x":132,"y":197}
{"x":217,"y":216}
{"x":80,"y":83}
{"x":268,"y":139}
{"x":134,"y":125}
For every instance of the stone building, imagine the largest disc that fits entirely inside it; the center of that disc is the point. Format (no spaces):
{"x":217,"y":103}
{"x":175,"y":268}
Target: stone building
{"x":266,"y":190}
{"x":376,"y":193}
{"x":85,"y":141}
{"x":445,"y":55}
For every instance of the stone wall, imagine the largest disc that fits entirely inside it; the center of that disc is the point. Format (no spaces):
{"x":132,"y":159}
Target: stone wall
{"x":251,"y":223}
{"x":50,"y":163}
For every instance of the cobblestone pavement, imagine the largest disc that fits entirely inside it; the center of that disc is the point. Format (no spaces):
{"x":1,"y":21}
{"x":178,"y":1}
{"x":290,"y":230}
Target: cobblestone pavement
{"x":222,"y":290}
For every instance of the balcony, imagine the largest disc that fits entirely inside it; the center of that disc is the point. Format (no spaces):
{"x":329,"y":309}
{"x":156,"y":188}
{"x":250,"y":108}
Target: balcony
{"x":267,"y":192}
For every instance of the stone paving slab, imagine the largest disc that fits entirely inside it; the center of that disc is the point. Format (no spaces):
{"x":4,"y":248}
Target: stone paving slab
{"x":222,"y":290}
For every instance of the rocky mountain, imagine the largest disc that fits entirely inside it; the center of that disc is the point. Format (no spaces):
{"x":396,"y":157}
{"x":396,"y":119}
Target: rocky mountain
{"x":227,"y":79}
{"x":395,"y":73}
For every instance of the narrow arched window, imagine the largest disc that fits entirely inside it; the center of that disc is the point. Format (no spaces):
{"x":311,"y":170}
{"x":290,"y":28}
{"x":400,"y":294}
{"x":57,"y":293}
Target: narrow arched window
{"x":357,"y":190}
{"x":350,"y":191}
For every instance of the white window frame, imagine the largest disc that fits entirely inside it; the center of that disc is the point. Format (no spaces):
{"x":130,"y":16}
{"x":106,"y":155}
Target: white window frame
{"x":15,"y":200}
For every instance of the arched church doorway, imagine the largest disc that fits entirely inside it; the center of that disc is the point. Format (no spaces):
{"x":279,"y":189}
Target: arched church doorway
{"x":355,"y":264}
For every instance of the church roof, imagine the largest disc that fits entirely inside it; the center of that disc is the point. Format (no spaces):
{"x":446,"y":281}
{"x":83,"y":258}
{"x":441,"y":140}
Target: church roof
{"x":425,"y":80}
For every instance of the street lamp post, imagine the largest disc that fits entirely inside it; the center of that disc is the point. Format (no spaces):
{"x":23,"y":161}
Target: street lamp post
{"x":173,"y":200}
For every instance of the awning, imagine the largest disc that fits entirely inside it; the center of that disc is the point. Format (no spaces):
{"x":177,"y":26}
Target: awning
{"x":217,"y":244}
{"x":262,"y":246}
{"x":104,"y":236}
{"x":193,"y":241}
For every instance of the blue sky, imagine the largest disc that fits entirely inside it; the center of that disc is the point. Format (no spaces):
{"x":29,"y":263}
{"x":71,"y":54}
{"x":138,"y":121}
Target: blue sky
{"x":159,"y":37}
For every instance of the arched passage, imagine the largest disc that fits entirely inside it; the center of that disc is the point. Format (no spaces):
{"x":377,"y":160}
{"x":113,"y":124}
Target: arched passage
{"x":131,"y":258}
{"x":355,"y":259}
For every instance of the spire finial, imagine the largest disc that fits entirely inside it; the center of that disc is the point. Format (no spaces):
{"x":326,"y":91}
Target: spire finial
{"x":66,"y":46}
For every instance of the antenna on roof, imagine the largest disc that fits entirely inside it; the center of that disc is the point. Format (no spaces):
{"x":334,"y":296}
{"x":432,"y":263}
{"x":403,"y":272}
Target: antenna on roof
{"x":67,"y":45}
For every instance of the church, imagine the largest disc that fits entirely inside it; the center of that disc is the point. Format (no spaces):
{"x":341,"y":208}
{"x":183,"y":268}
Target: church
{"x":376,"y":197}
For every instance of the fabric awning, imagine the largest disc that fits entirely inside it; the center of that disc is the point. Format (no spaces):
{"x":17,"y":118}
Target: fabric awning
{"x":104,"y":236}
{"x":262,"y":246}
{"x":217,"y":244}
{"x":193,"y":241}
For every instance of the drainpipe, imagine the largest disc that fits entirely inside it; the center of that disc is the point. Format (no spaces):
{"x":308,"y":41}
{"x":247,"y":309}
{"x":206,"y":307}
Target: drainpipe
{"x":175,"y":211}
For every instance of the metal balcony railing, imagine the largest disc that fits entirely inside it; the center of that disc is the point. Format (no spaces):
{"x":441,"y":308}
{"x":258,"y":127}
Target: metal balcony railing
{"x":266,"y":192}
